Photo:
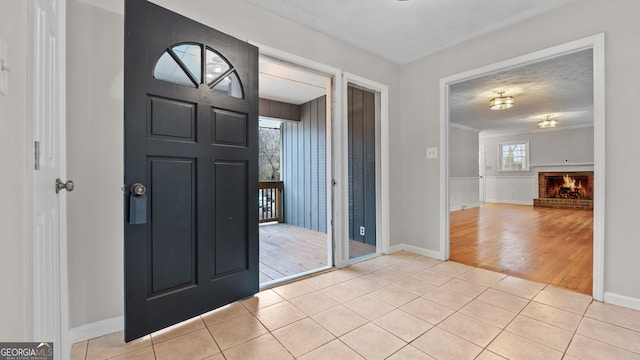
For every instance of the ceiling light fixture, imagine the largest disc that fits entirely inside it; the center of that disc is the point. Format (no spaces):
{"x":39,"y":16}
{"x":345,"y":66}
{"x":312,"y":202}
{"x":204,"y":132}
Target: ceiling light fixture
{"x":547,"y":123}
{"x":501,"y":102}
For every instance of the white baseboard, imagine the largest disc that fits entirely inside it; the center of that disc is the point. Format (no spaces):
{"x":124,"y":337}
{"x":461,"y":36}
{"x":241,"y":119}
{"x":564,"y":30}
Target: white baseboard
{"x":512,"y":202}
{"x":415,"y":250}
{"x":96,"y":329}
{"x":465,"y":206}
{"x":621,"y":300}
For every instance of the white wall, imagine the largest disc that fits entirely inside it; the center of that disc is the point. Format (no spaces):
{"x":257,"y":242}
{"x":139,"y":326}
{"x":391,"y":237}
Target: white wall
{"x":561,"y":150}
{"x":95,"y":54}
{"x":13,"y":181}
{"x":463,"y":168}
{"x":420,"y":127}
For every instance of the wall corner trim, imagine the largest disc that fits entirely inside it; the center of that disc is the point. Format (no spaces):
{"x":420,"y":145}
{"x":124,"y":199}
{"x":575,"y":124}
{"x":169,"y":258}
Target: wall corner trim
{"x":96,"y":329}
{"x":622,"y":300}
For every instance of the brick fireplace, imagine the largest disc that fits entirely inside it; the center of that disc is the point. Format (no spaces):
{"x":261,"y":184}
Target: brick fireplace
{"x":565,"y":190}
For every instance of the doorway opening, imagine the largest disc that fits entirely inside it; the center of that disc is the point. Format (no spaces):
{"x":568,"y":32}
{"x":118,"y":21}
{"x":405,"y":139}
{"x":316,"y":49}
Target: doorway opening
{"x":509,"y":183}
{"x":294,"y":168}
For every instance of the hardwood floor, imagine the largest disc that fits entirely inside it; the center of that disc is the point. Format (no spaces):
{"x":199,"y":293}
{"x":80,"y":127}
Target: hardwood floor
{"x":286,"y":250}
{"x":551,"y":246}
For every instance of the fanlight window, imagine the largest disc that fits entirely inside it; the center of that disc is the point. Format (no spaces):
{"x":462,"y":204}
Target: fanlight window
{"x":183,"y":64}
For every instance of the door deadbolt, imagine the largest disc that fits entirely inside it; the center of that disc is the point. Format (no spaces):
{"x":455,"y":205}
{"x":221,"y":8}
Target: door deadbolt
{"x":64,"y":185}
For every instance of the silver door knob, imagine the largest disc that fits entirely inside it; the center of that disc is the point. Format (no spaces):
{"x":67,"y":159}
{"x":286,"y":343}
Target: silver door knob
{"x":138,"y":189}
{"x":64,"y":185}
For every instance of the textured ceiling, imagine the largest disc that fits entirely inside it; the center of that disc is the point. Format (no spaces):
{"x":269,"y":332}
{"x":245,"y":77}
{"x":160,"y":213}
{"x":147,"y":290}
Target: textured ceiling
{"x":403,"y":31}
{"x":561,"y":87}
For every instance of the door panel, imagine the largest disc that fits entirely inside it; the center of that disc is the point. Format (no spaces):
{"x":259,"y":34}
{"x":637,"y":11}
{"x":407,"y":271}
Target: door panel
{"x":191,"y":139}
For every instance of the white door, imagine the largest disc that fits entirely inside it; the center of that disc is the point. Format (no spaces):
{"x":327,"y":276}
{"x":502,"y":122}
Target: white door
{"x":48,"y":206}
{"x":481,"y":167}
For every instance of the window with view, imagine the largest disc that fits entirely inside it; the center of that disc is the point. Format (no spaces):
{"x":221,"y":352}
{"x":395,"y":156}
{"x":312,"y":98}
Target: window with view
{"x":514,"y":156}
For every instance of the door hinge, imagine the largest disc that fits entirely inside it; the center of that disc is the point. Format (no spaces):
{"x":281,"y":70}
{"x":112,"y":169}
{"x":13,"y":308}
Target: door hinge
{"x":36,"y":155}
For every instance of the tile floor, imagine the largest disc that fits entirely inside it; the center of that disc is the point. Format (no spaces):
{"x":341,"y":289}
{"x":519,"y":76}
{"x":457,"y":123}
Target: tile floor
{"x":399,"y":306}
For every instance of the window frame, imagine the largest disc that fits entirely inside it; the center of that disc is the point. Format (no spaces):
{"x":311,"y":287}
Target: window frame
{"x":527,"y":155}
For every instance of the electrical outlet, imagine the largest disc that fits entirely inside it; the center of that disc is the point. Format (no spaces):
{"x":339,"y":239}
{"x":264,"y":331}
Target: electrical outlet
{"x":361,"y":230}
{"x":432,"y":153}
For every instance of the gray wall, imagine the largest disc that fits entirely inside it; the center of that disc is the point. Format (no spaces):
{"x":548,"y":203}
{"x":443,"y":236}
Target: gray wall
{"x":15,"y":179}
{"x":463,"y":168}
{"x":304,"y":168}
{"x":419,"y":225}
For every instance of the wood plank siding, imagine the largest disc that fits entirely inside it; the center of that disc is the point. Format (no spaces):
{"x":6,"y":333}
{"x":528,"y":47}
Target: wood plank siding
{"x":362,"y":164}
{"x":279,"y":110}
{"x":304,"y":167}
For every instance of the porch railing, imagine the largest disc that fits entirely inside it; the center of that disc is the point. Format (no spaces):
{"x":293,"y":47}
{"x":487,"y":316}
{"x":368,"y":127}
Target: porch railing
{"x":270,"y":201}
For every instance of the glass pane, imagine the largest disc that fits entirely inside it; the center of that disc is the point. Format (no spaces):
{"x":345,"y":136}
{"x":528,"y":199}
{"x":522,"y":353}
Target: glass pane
{"x":168,"y":69}
{"x":230,"y":85}
{"x":191,"y":57}
{"x":216,"y":66}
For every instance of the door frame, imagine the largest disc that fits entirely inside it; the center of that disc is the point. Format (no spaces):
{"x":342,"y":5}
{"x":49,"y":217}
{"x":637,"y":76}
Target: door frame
{"x":333,"y":108}
{"x":382,"y":164}
{"x":597,"y":44}
{"x":482,"y":193}
{"x":36,"y":304}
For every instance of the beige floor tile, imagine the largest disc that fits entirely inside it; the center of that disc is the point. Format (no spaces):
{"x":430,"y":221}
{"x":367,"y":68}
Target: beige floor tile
{"x":512,"y":346}
{"x":427,"y":261}
{"x":446,"y":298}
{"x":482,"y":277}
{"x":410,"y":353}
{"x":192,"y":346}
{"x":79,"y":351}
{"x":427,"y":310}
{"x":265,"y":347}
{"x":369,"y":307}
{"x":142,"y":354}
{"x":432,"y":277}
{"x":414,"y":286}
{"x":366,"y":285}
{"x":551,"y":315}
{"x":112,"y":345}
{"x":339,"y":320}
{"x":590,"y":349}
{"x":409,"y":267}
{"x":385,"y":260}
{"x":488,"y":355}
{"x":543,"y":333}
{"x":342,"y":292}
{"x":444,"y":345}
{"x":470,"y":329}
{"x":564,"y":299}
{"x":372,"y":342}
{"x":176,"y":330}
{"x":393,"y":295}
{"x":279,"y":315}
{"x":324,"y":280}
{"x":364,"y":267}
{"x":451,"y":268}
{"x":236,"y":331}
{"x":217,"y":356}
{"x":385,"y":275}
{"x":302,"y":336}
{"x":403,"y":325}
{"x":610,"y":334}
{"x":463,"y":288}
{"x":224,"y":313}
{"x":262,"y":299}
{"x":503,"y":300}
{"x":292,"y":290}
{"x":519,"y":287}
{"x":313,"y":303}
{"x":335,"y":350}
{"x":488,"y":313}
{"x":615,"y":315}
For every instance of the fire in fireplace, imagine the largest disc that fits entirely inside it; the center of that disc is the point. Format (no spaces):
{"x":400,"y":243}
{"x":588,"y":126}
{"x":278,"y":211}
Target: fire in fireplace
{"x":565,"y":190}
